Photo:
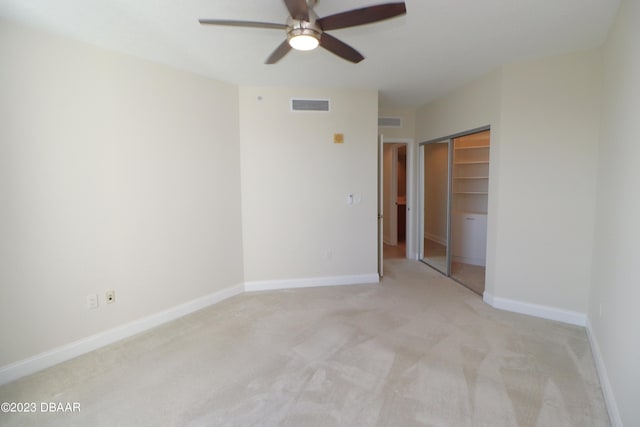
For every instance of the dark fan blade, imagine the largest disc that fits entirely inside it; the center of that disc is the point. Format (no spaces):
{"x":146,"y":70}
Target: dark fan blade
{"x":251,"y":24}
{"x":365,"y":15}
{"x":279,"y":53}
{"x":339,"y":48}
{"x":298,"y":9}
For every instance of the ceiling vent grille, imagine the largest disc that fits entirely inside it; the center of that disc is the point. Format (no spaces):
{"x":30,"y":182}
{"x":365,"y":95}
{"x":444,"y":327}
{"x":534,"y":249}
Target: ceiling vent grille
{"x":309,"y":105}
{"x":389,"y":122}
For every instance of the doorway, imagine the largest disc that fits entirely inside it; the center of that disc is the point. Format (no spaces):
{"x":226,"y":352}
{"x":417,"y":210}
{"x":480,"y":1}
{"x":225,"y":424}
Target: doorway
{"x":395,"y":200}
{"x":454,"y":180}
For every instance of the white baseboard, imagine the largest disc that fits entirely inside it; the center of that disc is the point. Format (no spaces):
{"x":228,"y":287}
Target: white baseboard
{"x":268,"y":285}
{"x":573,"y":318}
{"x":386,"y":238}
{"x":435,"y":238}
{"x":607,"y":390}
{"x":543,"y":311}
{"x":66,"y":352}
{"x":471,"y":261}
{"x":52,"y":357}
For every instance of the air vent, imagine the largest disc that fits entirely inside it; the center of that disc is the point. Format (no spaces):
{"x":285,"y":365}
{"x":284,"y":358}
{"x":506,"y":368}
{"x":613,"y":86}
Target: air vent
{"x":389,"y":122}
{"x":309,"y":105}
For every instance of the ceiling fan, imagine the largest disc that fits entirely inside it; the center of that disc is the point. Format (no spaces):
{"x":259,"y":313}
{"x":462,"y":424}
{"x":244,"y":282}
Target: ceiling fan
{"x":305,"y":30}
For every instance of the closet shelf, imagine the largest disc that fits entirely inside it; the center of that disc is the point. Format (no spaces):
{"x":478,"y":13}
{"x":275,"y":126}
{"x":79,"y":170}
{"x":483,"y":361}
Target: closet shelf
{"x":470,"y":177}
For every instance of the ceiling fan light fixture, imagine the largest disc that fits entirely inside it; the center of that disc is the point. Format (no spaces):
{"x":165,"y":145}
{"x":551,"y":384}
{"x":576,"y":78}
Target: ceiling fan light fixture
{"x":303,"y":36}
{"x":304,"y":42}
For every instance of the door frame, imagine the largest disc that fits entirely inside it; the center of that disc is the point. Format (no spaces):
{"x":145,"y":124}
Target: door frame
{"x":411,"y":249}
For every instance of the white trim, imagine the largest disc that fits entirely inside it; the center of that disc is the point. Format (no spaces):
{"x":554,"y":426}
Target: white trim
{"x":269,"y":285}
{"x":605,"y":384}
{"x":57,"y":355}
{"x":471,"y":261}
{"x":543,"y":311}
{"x":434,"y":238}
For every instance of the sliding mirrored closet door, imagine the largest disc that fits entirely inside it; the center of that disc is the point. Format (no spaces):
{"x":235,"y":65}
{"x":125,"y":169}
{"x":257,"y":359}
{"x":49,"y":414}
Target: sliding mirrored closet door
{"x":455,"y":189}
{"x":469,"y":200}
{"x":435,"y":204}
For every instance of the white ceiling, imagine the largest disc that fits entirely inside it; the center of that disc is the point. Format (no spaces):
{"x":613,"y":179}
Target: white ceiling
{"x":437,"y":46}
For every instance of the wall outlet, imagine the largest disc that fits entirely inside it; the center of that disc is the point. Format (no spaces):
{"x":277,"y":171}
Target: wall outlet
{"x":110,"y":296}
{"x":92,"y":301}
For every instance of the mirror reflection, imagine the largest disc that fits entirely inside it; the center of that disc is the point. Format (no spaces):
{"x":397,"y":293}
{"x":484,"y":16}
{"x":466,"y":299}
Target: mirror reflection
{"x":435,"y":198}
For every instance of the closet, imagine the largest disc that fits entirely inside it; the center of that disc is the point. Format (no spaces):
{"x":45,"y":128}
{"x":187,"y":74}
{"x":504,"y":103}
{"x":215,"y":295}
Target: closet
{"x":455,"y":190}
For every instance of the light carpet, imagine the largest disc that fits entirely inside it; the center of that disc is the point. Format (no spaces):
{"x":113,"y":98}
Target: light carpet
{"x":417,"y":349}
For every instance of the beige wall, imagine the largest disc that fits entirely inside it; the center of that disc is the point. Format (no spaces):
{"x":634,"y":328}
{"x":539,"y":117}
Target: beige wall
{"x":615,"y":292}
{"x":547,"y":174}
{"x":471,"y":106}
{"x":115,"y":173}
{"x":295,"y":182}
